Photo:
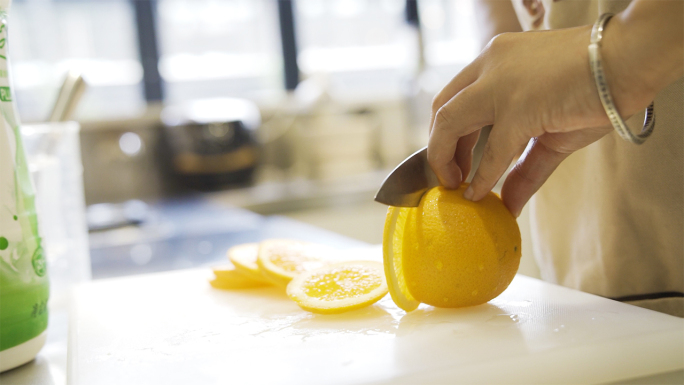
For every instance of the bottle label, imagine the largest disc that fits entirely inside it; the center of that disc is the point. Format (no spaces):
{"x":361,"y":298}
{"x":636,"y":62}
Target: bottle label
{"x":24,"y":289}
{"x":5,"y":94}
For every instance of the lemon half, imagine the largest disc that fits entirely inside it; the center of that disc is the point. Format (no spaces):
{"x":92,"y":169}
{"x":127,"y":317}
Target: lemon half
{"x":450,"y":252}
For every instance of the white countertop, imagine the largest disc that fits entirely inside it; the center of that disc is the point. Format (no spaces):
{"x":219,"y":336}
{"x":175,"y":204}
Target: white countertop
{"x":50,"y":366}
{"x":189,"y":222}
{"x":173,"y":328}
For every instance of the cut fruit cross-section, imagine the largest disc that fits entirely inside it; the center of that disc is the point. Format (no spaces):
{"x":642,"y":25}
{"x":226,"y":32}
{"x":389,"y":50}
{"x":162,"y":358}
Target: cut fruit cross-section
{"x":280,"y":260}
{"x":229,"y":278}
{"x":339,"y":287}
{"x":244,"y":257}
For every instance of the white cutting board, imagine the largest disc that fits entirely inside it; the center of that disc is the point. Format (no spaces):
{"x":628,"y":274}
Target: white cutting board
{"x":173,"y":328}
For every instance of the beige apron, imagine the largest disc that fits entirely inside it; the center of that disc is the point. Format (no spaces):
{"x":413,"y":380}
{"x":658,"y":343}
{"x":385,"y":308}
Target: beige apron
{"x":610,"y":220}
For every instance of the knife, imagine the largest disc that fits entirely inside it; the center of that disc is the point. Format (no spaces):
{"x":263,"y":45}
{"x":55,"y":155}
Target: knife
{"x":407,"y":183}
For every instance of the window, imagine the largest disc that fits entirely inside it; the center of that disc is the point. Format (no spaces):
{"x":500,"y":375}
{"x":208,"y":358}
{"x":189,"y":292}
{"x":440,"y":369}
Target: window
{"x":450,"y":39}
{"x":362,"y":47}
{"x":48,"y":38}
{"x":211,"y":48}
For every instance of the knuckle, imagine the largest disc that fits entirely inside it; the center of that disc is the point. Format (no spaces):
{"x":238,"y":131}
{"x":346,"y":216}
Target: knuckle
{"x":434,"y":158}
{"x":438,"y":160}
{"x":487,"y":168}
{"x":437,"y":103}
{"x":499,"y":40}
{"x":522,"y":173}
{"x":478,"y":181}
{"x":488,"y":155}
{"x":443,"y":117}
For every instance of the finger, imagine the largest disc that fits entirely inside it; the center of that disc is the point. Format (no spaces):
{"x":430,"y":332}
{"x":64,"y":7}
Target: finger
{"x":459,"y":167}
{"x":464,"y":114}
{"x":535,"y":166}
{"x":502,"y":146}
{"x":463,"y":79}
{"x":464,"y":153}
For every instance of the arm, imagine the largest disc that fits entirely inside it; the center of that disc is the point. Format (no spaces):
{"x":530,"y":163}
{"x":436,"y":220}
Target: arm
{"x":495,"y":17}
{"x":539,"y":86}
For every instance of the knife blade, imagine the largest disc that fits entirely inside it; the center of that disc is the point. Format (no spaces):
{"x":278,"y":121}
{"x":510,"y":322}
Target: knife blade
{"x":407,"y":183}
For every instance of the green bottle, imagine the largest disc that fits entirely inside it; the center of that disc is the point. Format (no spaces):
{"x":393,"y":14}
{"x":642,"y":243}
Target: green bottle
{"x":24,"y":288}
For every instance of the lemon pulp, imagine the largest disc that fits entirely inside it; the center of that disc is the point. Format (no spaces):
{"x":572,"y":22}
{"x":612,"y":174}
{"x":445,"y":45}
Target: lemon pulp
{"x":339,"y":287}
{"x":280,"y":260}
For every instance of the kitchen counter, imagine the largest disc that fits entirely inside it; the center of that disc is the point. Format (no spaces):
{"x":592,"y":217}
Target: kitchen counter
{"x":50,"y":367}
{"x":182,"y":235}
{"x":178,"y":234}
{"x":173,"y":328}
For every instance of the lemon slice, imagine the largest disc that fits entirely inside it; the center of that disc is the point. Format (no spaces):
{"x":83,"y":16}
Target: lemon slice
{"x":280,"y":260}
{"x":230,"y":279}
{"x":339,"y":287}
{"x":391,"y":251}
{"x":244,"y":258}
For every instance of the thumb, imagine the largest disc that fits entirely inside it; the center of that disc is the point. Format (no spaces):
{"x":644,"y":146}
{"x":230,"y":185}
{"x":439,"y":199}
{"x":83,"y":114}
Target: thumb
{"x":530,"y":172}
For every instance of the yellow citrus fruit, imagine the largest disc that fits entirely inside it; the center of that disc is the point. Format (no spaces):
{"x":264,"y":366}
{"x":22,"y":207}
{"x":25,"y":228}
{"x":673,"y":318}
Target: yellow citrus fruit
{"x":280,"y":260}
{"x":339,"y":287}
{"x":453,"y":252}
{"x":392,"y":245}
{"x":229,"y":278}
{"x":244,"y":257}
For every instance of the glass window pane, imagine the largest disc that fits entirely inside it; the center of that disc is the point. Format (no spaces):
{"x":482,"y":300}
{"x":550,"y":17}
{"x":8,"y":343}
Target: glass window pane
{"x":360,"y":46}
{"x":450,"y":38}
{"x":48,"y":38}
{"x":211,"y":48}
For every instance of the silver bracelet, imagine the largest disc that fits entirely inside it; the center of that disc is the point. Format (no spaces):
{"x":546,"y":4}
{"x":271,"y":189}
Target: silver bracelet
{"x":604,"y":93}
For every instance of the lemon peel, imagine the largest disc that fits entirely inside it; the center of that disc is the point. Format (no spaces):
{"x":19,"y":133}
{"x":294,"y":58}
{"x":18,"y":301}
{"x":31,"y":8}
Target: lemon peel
{"x":391,"y":252}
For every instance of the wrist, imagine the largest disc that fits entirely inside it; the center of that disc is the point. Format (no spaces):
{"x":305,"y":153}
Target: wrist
{"x":642,"y":55}
{"x":631,"y":84}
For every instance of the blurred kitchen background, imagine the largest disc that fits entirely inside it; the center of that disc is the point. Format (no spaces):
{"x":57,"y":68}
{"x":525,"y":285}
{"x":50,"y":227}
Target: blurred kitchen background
{"x":207,"y":123}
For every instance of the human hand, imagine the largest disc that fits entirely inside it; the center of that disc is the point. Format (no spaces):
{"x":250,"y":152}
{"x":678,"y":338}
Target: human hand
{"x":527,"y":85}
{"x":537,"y":88}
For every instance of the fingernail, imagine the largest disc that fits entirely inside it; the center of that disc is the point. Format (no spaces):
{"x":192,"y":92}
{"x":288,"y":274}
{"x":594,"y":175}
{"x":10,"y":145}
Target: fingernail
{"x":468,"y":194}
